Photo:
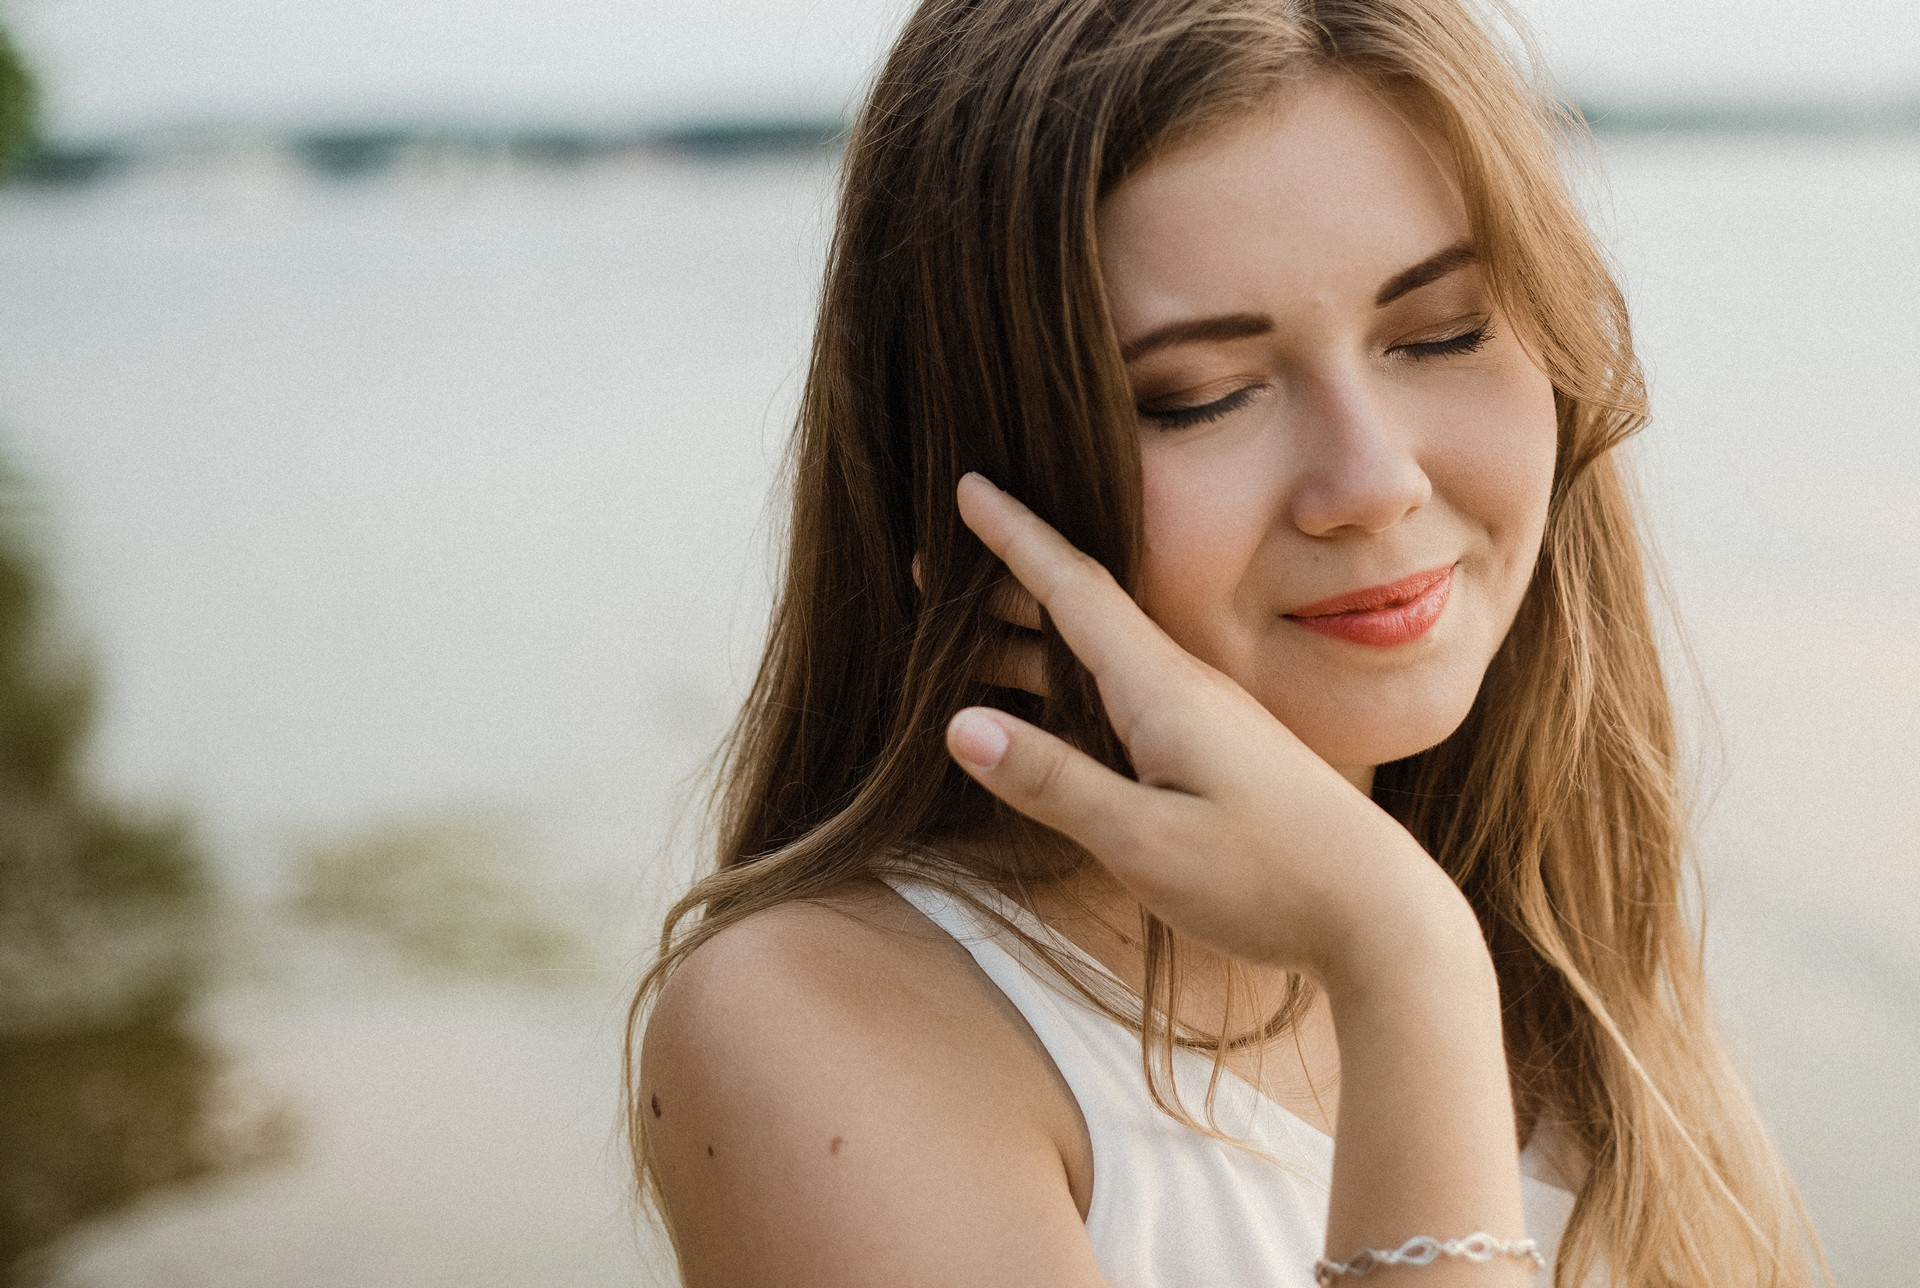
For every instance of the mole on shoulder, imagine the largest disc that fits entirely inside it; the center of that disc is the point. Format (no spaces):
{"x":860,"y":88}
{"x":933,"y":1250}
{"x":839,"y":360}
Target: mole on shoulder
{"x":838,"y":1141}
{"x":709,"y":1151}
{"x":655,"y":1102}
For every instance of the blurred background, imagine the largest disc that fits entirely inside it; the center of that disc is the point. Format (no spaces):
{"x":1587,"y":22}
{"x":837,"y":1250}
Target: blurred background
{"x":391,"y":394}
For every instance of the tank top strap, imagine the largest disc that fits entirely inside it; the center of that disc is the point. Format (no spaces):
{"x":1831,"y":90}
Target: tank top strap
{"x":1168,"y":1200}
{"x":1097,"y":1055}
{"x":1170,"y":1206}
{"x":1098,"y":1058}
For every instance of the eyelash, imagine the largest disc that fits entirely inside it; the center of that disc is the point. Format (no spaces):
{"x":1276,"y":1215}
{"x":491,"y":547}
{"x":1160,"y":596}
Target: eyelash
{"x":1185,"y":417}
{"x":1466,"y":342}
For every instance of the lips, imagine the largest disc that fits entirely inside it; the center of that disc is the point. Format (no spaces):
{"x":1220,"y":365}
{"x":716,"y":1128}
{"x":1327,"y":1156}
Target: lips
{"x":1384,"y":616}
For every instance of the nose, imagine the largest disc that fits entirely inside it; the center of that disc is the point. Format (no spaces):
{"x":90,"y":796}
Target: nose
{"x":1359,"y":472}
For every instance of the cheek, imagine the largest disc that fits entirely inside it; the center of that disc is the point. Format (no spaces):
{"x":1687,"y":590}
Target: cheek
{"x":1203,"y":516}
{"x":1494,"y":462}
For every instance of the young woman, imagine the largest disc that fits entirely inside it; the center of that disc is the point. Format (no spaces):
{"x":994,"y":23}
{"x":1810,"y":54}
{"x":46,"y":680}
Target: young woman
{"x":1257,"y":842}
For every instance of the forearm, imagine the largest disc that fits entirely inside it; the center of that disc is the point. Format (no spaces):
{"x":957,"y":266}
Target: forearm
{"x":1426,"y":1141}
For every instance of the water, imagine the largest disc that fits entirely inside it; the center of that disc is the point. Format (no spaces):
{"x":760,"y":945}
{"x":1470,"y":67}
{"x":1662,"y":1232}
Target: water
{"x":445,"y":497}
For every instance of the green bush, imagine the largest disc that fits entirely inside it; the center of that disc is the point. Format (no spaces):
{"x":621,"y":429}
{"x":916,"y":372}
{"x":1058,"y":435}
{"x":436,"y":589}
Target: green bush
{"x":106,"y":1090}
{"x":19,"y":105}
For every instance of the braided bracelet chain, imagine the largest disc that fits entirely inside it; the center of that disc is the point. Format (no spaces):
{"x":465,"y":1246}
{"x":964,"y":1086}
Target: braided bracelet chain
{"x":1424,"y":1250}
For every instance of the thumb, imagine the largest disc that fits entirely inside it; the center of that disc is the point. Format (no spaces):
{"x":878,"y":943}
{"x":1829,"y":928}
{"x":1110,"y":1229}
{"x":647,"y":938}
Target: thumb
{"x":1048,"y":780}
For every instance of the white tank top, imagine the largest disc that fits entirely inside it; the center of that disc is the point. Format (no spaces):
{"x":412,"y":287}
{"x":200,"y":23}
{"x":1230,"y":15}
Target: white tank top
{"x":1172,"y":1206}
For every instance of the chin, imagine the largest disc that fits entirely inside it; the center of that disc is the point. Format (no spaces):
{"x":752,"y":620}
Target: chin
{"x":1372,"y":728}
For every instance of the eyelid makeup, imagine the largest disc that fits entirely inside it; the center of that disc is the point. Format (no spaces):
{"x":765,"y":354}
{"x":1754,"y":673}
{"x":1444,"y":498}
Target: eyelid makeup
{"x":1182,"y":417}
{"x":1471,"y":340}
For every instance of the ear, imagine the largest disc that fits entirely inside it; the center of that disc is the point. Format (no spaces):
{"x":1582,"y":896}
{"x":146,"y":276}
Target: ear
{"x":919,"y":578}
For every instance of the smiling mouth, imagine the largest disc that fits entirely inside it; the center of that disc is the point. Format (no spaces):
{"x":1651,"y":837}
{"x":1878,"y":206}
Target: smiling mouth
{"x":1386,"y":616}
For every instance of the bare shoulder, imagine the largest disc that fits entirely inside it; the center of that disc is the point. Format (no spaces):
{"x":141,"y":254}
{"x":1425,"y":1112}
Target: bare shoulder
{"x":824,"y":954}
{"x":853,"y":978}
{"x":834,"y":1093}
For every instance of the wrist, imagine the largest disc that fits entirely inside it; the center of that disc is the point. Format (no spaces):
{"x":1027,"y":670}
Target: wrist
{"x":1425,"y":1134}
{"x":1426,"y":945}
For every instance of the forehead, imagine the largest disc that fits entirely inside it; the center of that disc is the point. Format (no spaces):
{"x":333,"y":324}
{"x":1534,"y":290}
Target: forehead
{"x":1311,"y":203}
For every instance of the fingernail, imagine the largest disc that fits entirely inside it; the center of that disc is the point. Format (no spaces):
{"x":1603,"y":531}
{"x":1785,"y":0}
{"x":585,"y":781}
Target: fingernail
{"x":976,"y":474}
{"x":977,"y":739}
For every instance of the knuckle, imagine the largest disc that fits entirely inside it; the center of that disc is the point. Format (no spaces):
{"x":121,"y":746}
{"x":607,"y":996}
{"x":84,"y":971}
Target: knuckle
{"x":1090,"y":572}
{"x":1145,"y":842}
{"x":1081,"y":584}
{"x":1046,"y":774}
{"x":1072,"y":567}
{"x":1158,"y":720}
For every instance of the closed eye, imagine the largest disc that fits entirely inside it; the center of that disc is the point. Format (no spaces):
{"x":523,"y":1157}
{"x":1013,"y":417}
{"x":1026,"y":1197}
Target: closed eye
{"x":1183,"y":417}
{"x":1469,"y":341}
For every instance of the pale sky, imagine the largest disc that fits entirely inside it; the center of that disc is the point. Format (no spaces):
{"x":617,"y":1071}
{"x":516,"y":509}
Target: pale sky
{"x":113,"y":65}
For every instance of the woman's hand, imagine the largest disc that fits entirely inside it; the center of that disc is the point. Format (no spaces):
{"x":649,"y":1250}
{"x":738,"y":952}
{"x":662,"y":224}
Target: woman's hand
{"x":1018,"y":659}
{"x":1235,"y":832}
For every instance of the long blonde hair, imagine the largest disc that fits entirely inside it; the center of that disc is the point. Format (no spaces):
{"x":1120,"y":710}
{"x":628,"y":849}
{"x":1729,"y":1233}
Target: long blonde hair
{"x":963,"y":326}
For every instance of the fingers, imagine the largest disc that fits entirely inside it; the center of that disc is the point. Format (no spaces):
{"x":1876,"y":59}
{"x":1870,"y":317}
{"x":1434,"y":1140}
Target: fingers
{"x":1016,"y":659}
{"x":1105,"y":629}
{"x":1049,"y":781}
{"x":1009,"y":602}
{"x":1013,"y":605}
{"x":1016,"y":662}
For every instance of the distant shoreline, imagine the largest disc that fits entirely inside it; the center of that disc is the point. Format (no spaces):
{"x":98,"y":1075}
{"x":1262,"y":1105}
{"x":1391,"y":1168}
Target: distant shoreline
{"x":350,"y":152}
{"x":361,"y":151}
{"x":1894,"y":116}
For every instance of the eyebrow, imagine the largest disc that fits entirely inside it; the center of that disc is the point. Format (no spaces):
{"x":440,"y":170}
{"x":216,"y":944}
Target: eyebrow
{"x":1427,"y":271}
{"x":1239,"y":326}
{"x":1227,"y":326}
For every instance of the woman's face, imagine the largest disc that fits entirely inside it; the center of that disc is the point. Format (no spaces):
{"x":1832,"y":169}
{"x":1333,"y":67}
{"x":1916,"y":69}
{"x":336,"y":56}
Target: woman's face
{"x":1346,"y":451}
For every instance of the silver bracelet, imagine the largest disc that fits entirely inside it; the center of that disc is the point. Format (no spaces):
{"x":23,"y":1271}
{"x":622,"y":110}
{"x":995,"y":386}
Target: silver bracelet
{"x":1424,"y":1250}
